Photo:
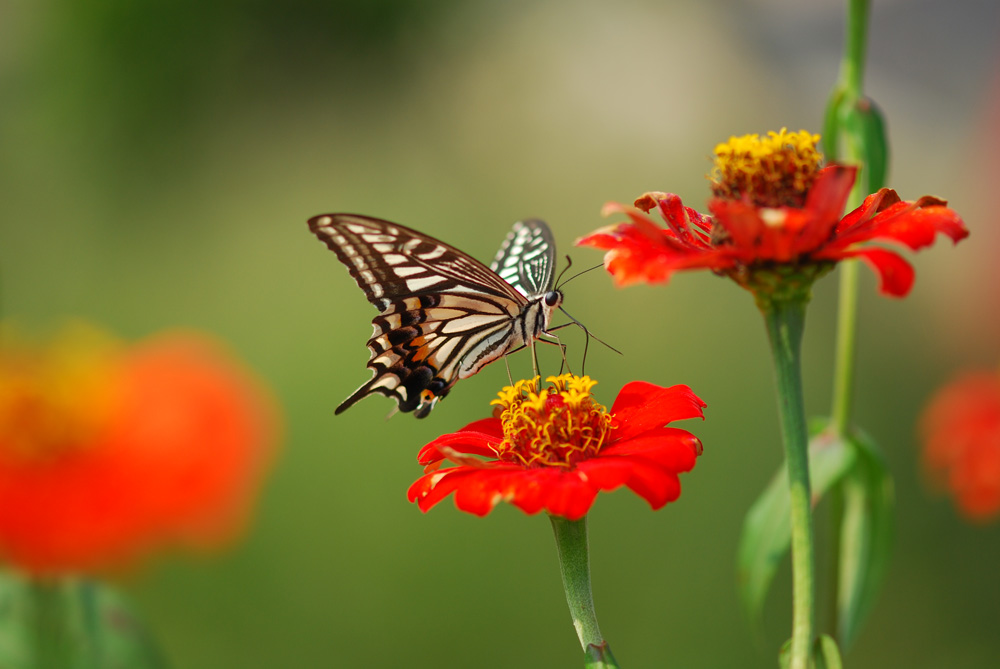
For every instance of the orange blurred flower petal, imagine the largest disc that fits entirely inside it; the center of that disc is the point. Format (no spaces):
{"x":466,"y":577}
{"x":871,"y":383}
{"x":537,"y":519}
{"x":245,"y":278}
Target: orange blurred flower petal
{"x":182,"y":437}
{"x":960,"y":428}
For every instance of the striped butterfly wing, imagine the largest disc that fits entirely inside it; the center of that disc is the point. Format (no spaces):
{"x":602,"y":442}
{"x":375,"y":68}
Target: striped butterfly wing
{"x":443,"y":314}
{"x":527,"y":258}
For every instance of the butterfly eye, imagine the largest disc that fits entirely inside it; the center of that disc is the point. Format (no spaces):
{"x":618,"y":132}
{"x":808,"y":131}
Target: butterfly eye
{"x":553,"y":298}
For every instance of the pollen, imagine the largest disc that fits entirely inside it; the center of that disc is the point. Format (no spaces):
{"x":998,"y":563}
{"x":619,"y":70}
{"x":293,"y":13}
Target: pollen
{"x":57,"y":401}
{"x":774,"y":171}
{"x":555,"y":426}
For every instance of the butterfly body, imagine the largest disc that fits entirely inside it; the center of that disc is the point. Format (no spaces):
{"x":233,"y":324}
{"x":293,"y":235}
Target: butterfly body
{"x":443,"y":314}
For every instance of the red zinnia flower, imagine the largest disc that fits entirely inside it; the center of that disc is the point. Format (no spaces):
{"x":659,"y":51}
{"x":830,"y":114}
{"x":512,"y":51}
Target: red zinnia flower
{"x":773,"y":206}
{"x":960,"y":428}
{"x":555,"y":449}
{"x":108,"y":452}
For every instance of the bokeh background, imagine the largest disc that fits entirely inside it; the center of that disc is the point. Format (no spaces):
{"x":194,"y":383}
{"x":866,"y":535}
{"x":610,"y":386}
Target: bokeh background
{"x":158,"y":161}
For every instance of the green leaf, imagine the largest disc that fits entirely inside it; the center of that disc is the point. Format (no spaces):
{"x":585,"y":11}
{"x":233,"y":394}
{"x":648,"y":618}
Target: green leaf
{"x":855,"y":469}
{"x":785,"y":655}
{"x":767,"y":531}
{"x":866,"y":533}
{"x":825,"y":654}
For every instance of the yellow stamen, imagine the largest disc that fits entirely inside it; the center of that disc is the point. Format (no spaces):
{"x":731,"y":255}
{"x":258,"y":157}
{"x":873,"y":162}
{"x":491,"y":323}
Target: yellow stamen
{"x":555,"y":426}
{"x":775,"y":171}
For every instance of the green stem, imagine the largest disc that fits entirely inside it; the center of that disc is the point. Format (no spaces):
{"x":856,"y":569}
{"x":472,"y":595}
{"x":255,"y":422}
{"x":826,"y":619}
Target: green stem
{"x":785,"y":321}
{"x":847,"y":329}
{"x":851,"y":75}
{"x":574,"y":564}
{"x":53,"y":631}
{"x":852,"y":67}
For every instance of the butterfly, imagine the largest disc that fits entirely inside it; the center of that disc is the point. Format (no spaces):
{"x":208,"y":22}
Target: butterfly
{"x":443,"y":315}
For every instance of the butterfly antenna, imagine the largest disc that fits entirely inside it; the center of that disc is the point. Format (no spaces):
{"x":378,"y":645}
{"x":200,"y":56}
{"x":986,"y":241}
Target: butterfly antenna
{"x":569,"y":263}
{"x":580,"y":273}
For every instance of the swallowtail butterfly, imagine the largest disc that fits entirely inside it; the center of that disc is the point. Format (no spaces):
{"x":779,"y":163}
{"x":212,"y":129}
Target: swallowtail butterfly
{"x":443,"y":315}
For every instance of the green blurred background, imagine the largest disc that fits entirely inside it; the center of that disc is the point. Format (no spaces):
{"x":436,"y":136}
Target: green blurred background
{"x":158,"y":161}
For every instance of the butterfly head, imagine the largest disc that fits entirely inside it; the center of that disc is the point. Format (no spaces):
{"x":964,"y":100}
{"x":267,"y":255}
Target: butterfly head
{"x":553,"y":298}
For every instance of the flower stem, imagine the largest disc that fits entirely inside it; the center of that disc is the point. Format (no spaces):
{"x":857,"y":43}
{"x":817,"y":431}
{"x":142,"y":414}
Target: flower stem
{"x":843,"y":374}
{"x":852,"y":68}
{"x":574,"y":564}
{"x":785,"y":320}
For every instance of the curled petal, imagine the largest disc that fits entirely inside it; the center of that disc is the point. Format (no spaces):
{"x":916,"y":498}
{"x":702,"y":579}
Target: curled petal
{"x":895,"y":275}
{"x":915,"y":224}
{"x":431,"y":488}
{"x":641,"y":251}
{"x":642,"y":406}
{"x":476,"y":438}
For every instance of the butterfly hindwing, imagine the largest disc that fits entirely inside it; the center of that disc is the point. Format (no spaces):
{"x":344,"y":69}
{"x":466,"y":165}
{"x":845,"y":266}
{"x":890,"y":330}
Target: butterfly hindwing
{"x":443,"y":314}
{"x":526,"y":259}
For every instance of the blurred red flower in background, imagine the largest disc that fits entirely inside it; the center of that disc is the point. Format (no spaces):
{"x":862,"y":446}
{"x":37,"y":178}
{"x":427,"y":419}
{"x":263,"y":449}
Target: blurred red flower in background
{"x":108,"y":452}
{"x":554,"y":449}
{"x":772,"y":205}
{"x":960,"y":428}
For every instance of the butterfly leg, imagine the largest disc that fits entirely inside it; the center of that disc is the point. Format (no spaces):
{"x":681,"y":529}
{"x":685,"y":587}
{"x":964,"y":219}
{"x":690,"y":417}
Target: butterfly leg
{"x":562,"y":350}
{"x":507,"y":365}
{"x":534,"y":360}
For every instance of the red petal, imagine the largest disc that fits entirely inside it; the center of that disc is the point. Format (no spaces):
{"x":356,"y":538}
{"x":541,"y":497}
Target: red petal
{"x":874,"y":203}
{"x":895,"y":275}
{"x":669,"y":447}
{"x":642,"y":406}
{"x":567,"y":494}
{"x":741,"y":220}
{"x":641,"y":251}
{"x":476,"y":438}
{"x":646,"y":478}
{"x":480,"y":493}
{"x":655,"y":486}
{"x":825,"y":202}
{"x":430,"y":489}
{"x":914,"y":224}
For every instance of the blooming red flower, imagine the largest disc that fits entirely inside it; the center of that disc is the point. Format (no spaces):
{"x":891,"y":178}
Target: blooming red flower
{"x":555,"y":449}
{"x":773,"y":205}
{"x":108,"y":452}
{"x":960,"y":428}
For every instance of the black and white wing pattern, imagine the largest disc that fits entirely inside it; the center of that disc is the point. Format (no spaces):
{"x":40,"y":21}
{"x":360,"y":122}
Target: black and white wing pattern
{"x":527,"y":258}
{"x":443,"y":315}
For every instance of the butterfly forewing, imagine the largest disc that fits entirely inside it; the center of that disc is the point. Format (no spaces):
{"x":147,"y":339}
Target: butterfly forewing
{"x":443,"y":314}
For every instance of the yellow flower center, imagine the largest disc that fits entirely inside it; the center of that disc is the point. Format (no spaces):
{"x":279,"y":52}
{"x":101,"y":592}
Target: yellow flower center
{"x":775,"y":171}
{"x":54,"y":402}
{"x":556,"y":426}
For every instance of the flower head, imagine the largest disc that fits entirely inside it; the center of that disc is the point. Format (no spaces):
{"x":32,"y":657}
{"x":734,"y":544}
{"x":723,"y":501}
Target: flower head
{"x":109,"y":451}
{"x":960,"y":429}
{"x":774,"y":210}
{"x":555,"y":448}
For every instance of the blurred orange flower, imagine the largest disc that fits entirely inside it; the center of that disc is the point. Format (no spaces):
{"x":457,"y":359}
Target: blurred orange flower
{"x":108,"y":451}
{"x":960,"y":428}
